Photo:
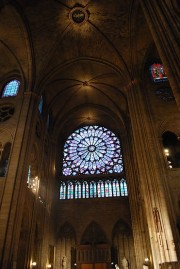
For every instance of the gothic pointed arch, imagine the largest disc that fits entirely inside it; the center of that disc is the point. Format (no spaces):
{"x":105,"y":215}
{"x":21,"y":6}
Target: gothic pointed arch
{"x":123,"y":245}
{"x":66,"y":231}
{"x":120,"y":227}
{"x":94,"y":234}
{"x":65,"y":248}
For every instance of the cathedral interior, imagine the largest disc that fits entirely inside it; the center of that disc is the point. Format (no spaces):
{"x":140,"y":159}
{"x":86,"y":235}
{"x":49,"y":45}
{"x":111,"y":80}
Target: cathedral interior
{"x":89,"y":134}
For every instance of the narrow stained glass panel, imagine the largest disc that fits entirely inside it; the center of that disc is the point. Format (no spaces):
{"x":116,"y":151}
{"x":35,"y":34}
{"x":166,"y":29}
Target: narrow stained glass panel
{"x":123,"y":188}
{"x":11,"y":88}
{"x":92,"y":189}
{"x":40,"y":107}
{"x":77,"y":190}
{"x":63,"y":191}
{"x":70,"y":191}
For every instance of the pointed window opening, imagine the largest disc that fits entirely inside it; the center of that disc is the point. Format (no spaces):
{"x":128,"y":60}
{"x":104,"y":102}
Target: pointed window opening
{"x":11,"y":88}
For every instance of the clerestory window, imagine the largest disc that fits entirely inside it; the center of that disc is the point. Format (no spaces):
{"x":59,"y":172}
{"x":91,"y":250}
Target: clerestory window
{"x":92,"y":165}
{"x":158,"y":73}
{"x":11,"y":88}
{"x":40,"y":107}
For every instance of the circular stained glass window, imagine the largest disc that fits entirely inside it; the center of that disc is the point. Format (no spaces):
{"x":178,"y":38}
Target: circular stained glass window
{"x":92,"y":150}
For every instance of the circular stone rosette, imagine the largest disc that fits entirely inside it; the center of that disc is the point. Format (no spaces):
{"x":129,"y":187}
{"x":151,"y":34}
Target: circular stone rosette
{"x":78,"y":15}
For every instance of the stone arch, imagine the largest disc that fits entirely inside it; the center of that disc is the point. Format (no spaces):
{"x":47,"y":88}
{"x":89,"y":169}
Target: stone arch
{"x":66,"y":231}
{"x":93,"y":234}
{"x":65,"y":247}
{"x":123,"y":245}
{"x":171,"y":124}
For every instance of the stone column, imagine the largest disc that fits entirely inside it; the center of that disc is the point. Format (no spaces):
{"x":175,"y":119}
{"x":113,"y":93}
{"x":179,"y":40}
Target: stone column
{"x":142,"y":247}
{"x":15,"y":185}
{"x":152,"y":180}
{"x":163,"y":20}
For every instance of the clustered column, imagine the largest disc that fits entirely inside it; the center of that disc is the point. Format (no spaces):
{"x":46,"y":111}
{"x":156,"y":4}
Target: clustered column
{"x":152,"y":180}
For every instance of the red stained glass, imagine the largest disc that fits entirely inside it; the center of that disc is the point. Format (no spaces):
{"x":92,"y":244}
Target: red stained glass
{"x":158,"y":73}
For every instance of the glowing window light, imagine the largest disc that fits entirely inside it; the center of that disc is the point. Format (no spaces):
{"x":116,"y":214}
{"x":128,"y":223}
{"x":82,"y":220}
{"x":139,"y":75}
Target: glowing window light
{"x":11,"y":88}
{"x":158,"y":73}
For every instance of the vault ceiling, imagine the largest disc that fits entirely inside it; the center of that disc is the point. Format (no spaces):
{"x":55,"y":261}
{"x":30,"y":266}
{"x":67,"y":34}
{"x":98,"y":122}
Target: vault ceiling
{"x":82,"y":65}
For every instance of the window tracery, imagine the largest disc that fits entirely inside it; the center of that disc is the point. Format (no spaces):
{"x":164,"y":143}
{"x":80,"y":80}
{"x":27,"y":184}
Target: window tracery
{"x":92,"y":151}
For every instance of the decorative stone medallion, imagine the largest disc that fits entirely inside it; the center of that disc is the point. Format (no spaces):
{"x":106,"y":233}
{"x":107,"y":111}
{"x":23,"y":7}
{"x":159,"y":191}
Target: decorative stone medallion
{"x":78,"y":15}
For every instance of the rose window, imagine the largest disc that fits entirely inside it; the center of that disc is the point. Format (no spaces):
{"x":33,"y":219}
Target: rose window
{"x":92,"y":150}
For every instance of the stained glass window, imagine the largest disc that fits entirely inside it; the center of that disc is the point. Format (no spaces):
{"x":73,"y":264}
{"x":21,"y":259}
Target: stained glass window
{"x":158,"y":73}
{"x":11,"y":88}
{"x":93,"y":189}
{"x":123,"y":188}
{"x":63,"y":191}
{"x":40,"y":107}
{"x":100,"y":188}
{"x":92,"y":151}
{"x":78,"y":190}
{"x":70,"y":191}
{"x":108,"y":189}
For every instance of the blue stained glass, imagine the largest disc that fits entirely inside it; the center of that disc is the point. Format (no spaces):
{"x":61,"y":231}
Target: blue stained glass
{"x":40,"y":107}
{"x":110,"y":189}
{"x":63,"y":191}
{"x":11,"y":88}
{"x":29,"y":174}
{"x":77,"y":190}
{"x":70,"y":191}
{"x":87,"y":190}
{"x":115,"y":188}
{"x":93,"y":150}
{"x":102,"y":189}
{"x":106,"y":190}
{"x":123,"y":188}
{"x":92,"y":189}
{"x":83,"y":191}
{"x":98,"y":190}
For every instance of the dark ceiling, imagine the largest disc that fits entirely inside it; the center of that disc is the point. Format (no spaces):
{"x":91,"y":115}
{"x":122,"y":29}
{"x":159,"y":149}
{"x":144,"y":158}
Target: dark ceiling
{"x":81,"y":55}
